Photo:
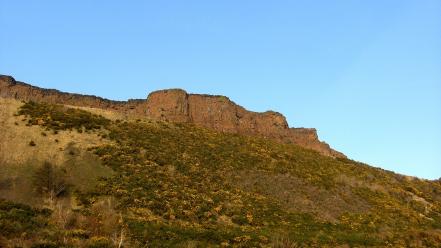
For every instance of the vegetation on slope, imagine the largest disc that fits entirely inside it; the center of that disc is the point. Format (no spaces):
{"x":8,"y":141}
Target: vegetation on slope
{"x":58,"y":117}
{"x":185,"y":186}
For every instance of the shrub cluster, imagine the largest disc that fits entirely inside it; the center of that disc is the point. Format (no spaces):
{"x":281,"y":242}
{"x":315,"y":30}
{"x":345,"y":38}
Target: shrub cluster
{"x":49,"y":180}
{"x":57,"y":117}
{"x":16,"y":219}
{"x":179,"y":185}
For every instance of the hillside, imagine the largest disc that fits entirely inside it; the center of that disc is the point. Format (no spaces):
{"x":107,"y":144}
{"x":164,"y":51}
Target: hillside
{"x":175,"y":105}
{"x":101,"y":178}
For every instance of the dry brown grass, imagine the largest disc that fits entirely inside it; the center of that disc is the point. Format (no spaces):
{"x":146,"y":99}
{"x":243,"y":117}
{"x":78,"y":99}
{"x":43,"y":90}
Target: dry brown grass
{"x":111,"y":115}
{"x":19,"y":160}
{"x":15,"y":137}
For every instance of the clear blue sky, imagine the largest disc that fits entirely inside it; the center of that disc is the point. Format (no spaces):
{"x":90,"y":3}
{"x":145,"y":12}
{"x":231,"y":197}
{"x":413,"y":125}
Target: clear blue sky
{"x":366,"y":74}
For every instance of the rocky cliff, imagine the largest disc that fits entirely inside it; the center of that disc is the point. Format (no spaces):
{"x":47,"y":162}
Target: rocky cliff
{"x":175,"y":105}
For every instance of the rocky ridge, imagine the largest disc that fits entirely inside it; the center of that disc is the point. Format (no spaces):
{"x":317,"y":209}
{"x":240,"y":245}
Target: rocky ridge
{"x":176,"y":105}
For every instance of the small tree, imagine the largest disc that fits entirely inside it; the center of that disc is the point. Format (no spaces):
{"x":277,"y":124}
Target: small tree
{"x":49,"y":181}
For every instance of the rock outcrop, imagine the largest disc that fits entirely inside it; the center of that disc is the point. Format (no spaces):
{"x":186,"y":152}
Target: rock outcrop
{"x":176,"y":105}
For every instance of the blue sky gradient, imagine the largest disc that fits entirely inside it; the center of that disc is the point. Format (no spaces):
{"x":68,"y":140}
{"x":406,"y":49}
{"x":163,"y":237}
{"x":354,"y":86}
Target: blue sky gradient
{"x":366,"y":74}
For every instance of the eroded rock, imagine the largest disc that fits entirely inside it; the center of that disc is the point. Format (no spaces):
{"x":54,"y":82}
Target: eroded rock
{"x":176,"y":105}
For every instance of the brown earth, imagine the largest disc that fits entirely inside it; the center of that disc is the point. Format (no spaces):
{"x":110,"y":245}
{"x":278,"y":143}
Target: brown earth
{"x":176,"y":105}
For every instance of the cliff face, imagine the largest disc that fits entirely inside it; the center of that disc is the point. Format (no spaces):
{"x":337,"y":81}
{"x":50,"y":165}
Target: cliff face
{"x":216,"y":112}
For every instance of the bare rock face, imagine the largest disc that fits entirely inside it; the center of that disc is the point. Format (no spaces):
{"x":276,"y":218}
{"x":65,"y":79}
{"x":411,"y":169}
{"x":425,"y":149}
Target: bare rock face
{"x":216,"y":112}
{"x":176,"y":105}
{"x":9,"y":88}
{"x":168,"y":105}
{"x":220,"y":113}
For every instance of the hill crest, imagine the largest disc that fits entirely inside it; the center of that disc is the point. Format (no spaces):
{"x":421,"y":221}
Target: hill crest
{"x":176,"y":105}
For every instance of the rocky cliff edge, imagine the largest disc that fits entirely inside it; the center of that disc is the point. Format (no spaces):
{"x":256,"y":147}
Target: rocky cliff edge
{"x":176,"y":105}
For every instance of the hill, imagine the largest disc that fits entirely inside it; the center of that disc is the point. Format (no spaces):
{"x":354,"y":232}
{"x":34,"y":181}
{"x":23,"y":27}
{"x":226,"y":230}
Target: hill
{"x":215,"y":112}
{"x":88,"y":177}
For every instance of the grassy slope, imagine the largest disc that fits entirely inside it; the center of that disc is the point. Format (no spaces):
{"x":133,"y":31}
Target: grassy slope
{"x":18,"y":160}
{"x":180,"y":185}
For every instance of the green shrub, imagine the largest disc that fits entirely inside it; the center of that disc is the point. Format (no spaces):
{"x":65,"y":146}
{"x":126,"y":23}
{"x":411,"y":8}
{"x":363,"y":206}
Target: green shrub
{"x":49,"y":180}
{"x":100,"y":242}
{"x":45,"y":244}
{"x":177,"y":184}
{"x":57,"y":117}
{"x":16,"y":219}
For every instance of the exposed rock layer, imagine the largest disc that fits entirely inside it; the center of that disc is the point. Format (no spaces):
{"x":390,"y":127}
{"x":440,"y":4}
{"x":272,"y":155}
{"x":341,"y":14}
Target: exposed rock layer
{"x":216,"y":112}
